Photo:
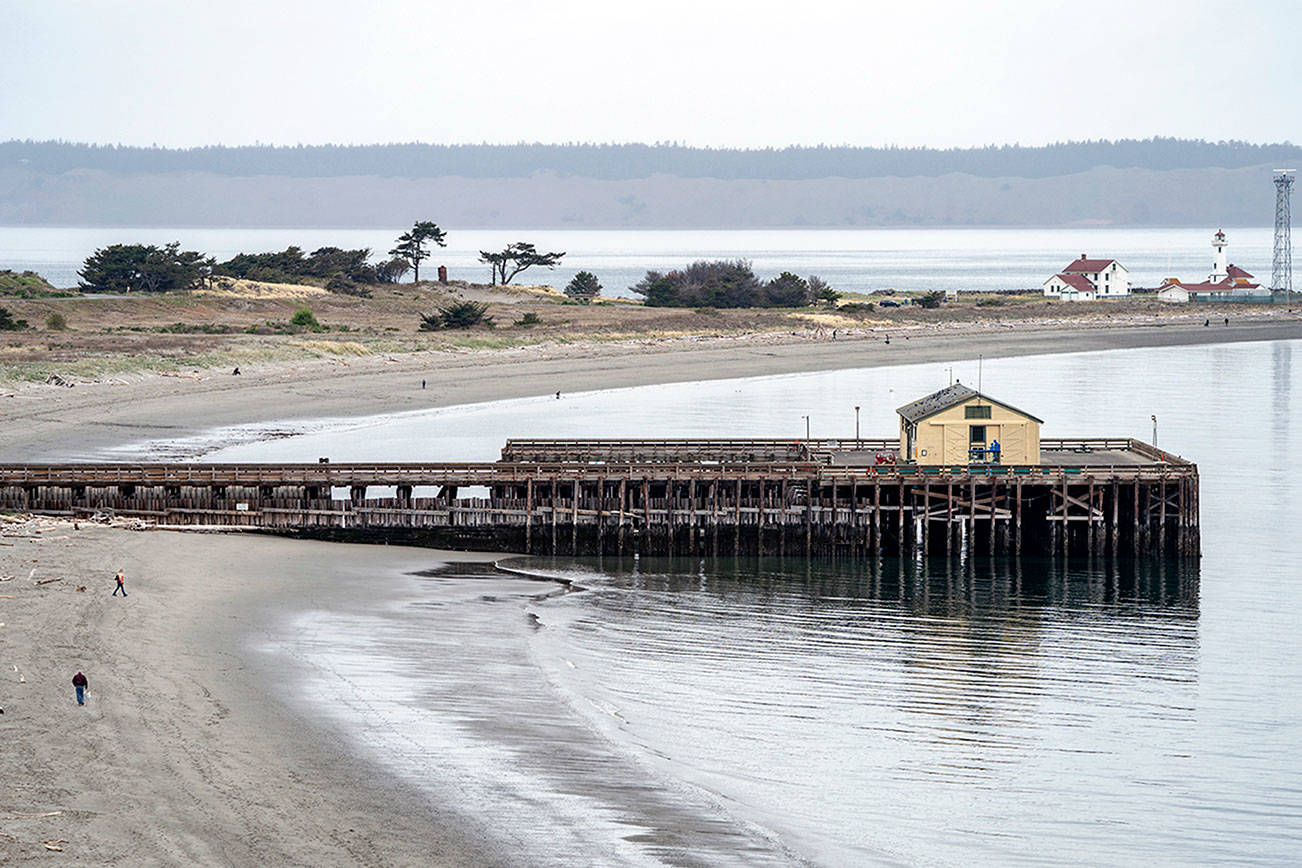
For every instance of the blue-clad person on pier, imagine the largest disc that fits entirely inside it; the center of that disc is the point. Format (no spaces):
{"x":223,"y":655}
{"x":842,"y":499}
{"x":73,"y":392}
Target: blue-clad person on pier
{"x":994,"y":451}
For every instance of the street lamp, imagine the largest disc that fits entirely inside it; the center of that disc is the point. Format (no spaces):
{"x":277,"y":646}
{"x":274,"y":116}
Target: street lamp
{"x":806,"y":418}
{"x":856,"y":425}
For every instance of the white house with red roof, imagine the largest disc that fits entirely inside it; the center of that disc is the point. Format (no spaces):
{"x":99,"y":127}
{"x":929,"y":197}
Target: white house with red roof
{"x":1070,"y":287}
{"x":1088,"y":279}
{"x":1227,"y":281}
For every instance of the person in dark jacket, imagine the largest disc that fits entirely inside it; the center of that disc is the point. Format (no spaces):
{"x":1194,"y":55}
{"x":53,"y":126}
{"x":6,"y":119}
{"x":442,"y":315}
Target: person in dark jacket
{"x":79,"y":682}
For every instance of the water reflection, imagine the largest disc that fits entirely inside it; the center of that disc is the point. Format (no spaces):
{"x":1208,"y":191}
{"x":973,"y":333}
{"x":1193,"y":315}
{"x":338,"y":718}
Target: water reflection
{"x":835,"y":695}
{"x":928,"y":586}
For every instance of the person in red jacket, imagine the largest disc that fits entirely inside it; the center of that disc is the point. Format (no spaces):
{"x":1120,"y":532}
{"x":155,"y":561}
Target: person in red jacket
{"x":79,"y":682}
{"x":122,"y":578}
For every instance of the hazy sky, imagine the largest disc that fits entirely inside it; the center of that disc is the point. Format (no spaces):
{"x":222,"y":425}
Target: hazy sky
{"x":926,"y":72}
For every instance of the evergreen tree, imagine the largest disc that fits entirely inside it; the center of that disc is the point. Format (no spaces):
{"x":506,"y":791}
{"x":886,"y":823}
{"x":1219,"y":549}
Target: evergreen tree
{"x":412,"y":245}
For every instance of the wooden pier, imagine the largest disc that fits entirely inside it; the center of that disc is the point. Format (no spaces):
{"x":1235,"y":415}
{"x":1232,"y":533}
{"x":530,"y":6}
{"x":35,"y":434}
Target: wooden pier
{"x":1117,"y":497}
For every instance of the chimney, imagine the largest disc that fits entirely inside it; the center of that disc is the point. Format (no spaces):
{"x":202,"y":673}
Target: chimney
{"x":1082,"y":256}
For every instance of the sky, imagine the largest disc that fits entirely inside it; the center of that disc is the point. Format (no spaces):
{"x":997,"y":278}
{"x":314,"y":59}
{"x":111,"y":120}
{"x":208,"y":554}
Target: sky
{"x":734,"y":74}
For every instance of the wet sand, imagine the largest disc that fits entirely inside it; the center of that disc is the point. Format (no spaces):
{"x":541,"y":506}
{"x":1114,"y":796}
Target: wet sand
{"x":50,"y":422}
{"x":234,"y":716}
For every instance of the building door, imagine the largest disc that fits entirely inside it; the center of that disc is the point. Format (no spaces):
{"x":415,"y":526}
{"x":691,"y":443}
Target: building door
{"x":1013,"y":440}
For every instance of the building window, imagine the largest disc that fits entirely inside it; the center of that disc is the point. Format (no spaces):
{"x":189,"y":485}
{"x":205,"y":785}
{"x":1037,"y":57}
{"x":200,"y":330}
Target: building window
{"x":976,"y":411}
{"x":978,"y":434}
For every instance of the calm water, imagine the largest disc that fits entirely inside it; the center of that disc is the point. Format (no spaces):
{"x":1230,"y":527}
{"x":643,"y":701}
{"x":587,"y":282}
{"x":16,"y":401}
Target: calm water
{"x":986,"y":712}
{"x":851,"y":259}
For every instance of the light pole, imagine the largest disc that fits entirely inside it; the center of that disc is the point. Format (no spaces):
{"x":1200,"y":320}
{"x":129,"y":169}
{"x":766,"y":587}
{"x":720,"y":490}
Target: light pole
{"x":1154,"y":430}
{"x":806,"y":418}
{"x":856,"y":425}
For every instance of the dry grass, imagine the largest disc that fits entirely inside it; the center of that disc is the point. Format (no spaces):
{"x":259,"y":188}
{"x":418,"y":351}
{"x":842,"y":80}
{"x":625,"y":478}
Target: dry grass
{"x":333,"y":348}
{"x":112,"y":336}
{"x":827,"y":320}
{"x":237,"y":288}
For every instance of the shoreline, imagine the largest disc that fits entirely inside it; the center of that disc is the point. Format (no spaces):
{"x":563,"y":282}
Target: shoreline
{"x":45,"y":422}
{"x":238,"y":713}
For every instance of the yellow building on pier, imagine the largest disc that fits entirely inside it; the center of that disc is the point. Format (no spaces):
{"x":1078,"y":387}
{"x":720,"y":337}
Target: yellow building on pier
{"x":959,"y":425}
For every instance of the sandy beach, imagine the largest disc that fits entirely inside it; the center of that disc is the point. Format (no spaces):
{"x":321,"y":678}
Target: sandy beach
{"x":45,"y":422}
{"x":181,"y":755}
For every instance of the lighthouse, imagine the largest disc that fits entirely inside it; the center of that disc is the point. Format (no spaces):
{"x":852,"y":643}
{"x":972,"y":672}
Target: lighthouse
{"x":1220,"y":268}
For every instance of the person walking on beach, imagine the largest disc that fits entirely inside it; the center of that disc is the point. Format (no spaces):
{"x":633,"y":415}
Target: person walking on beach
{"x":121,"y":579}
{"x":79,"y":682}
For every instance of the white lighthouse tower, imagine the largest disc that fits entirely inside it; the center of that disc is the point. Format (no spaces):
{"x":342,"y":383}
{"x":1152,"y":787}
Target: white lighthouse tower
{"x":1220,"y":268}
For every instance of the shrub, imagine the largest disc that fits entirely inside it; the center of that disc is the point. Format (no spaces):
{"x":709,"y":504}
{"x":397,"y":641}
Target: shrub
{"x":56,"y":322}
{"x":458,"y":315}
{"x":822,"y":291}
{"x":584,"y":287}
{"x":529,"y":319}
{"x":857,"y":307}
{"x":9,"y":324}
{"x":931,"y":299}
{"x":304,"y":318}
{"x":993,"y":301}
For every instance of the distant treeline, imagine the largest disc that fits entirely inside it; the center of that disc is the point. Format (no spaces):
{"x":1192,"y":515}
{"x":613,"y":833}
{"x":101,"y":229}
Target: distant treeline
{"x":630,"y":161}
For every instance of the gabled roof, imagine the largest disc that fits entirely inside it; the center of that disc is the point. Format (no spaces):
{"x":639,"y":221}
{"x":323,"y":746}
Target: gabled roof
{"x":1084,"y":264}
{"x":1077,"y":281}
{"x":950,"y":396}
{"x":1229,"y":284}
{"x":1238,"y":273}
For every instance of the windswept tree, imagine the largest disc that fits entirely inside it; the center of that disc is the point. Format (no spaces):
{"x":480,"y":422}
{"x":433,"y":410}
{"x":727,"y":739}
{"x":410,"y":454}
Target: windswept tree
{"x":412,"y":245}
{"x":392,"y":270}
{"x":292,"y":265}
{"x":727,"y":283}
{"x":786,"y":290}
{"x":515,"y":258}
{"x":126,"y":268}
{"x":822,"y":291}
{"x":584,"y":287}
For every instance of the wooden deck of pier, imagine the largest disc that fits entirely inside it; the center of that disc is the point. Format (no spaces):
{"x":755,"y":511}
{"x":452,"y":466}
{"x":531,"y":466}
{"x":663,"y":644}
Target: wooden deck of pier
{"x":820,"y":497}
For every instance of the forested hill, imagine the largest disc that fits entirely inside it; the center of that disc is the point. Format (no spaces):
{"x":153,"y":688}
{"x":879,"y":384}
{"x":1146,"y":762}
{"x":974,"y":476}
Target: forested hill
{"x":1158,"y":182}
{"x":634,"y":161}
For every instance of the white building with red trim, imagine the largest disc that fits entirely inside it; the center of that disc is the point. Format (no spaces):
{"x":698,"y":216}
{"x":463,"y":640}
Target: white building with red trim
{"x":1070,"y":287}
{"x":1088,"y":279}
{"x":1227,"y":281}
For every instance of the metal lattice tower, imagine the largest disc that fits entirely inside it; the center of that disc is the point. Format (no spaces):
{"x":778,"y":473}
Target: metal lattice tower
{"x":1281,"y":271}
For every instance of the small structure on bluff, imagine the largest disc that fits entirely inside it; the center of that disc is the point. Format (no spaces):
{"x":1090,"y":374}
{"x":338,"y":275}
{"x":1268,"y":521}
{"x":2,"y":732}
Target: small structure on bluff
{"x":959,"y":425}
